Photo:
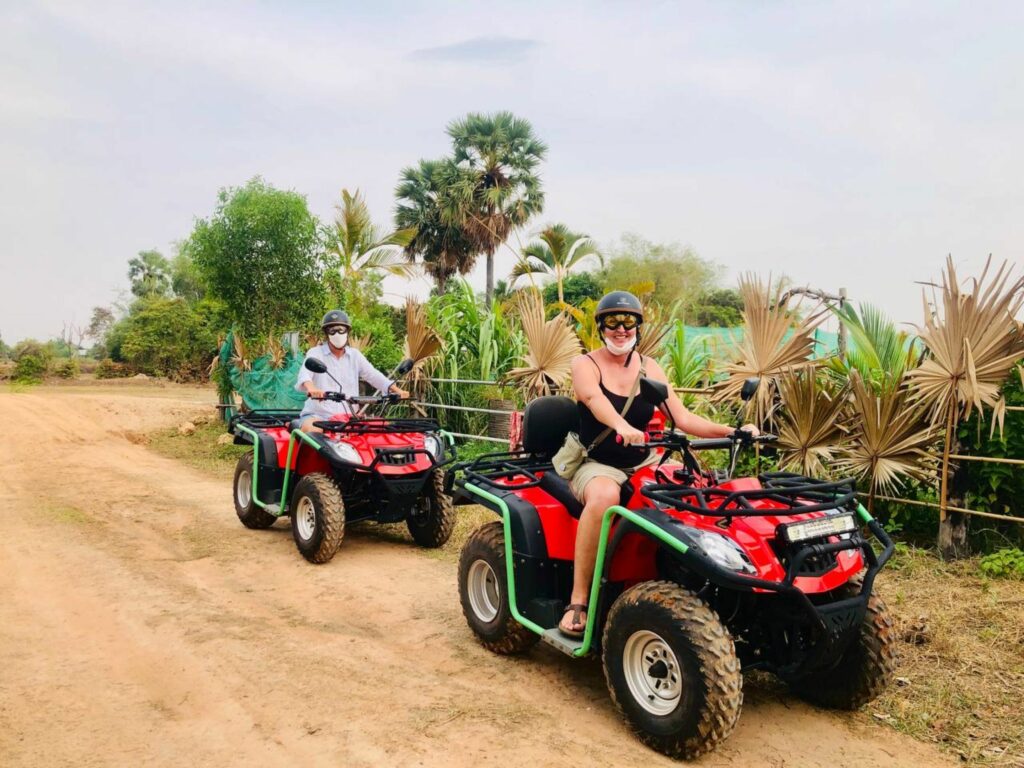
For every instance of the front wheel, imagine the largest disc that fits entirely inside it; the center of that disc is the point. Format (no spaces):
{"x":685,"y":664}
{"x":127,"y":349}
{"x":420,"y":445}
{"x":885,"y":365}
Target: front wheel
{"x":865,"y":668}
{"x":432,"y":517}
{"x":318,"y":517}
{"x":483,"y":592}
{"x":671,"y":669}
{"x":248,"y":511}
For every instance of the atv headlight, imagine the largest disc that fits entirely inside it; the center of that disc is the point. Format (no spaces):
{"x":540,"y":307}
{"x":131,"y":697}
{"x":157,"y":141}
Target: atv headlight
{"x":723,"y":551}
{"x":346,"y":452}
{"x":434,"y":445}
{"x":819,"y":528}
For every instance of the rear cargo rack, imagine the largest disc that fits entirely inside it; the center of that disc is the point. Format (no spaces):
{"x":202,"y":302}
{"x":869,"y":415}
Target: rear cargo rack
{"x":797,"y":494}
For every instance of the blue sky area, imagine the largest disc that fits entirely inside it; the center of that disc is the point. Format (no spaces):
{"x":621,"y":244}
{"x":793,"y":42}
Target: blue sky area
{"x":842,"y":144}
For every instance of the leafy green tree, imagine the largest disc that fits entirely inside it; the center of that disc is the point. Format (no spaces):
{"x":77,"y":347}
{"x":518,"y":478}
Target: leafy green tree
{"x":558,"y":252}
{"x":677,"y":272}
{"x":358,"y":251}
{"x":260,"y":253}
{"x":576,"y":290}
{"x":186,"y":279}
{"x":443,"y":245}
{"x":5,"y":351}
{"x":149,"y":273}
{"x":721,"y":308}
{"x":498,"y":188}
{"x":31,"y":360}
{"x":172,"y":337}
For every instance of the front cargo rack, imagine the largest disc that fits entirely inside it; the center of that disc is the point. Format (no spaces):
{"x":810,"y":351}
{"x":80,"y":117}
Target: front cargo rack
{"x":797,"y":494}
{"x":378,"y":426}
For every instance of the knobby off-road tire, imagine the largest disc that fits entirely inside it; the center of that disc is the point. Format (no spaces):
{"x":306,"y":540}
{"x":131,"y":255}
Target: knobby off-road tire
{"x":432,"y":519}
{"x":251,"y":515}
{"x":671,"y":669}
{"x":318,"y":517}
{"x":864,"y":670}
{"x":483,"y":591}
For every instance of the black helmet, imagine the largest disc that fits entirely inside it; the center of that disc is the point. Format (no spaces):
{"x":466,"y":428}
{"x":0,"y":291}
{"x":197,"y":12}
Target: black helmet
{"x":619,"y":301}
{"x":336,"y":317}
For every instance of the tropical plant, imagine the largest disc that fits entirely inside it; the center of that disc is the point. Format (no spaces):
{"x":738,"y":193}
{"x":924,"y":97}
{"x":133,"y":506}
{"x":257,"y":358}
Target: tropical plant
{"x":355,"y":247}
{"x":442,"y":245}
{"x":878,"y":351}
{"x":497,"y":188}
{"x":687,"y":363}
{"x":889,"y":438}
{"x":558,"y":252}
{"x":973,"y":342}
{"x":657,"y":323}
{"x":775,"y":339}
{"x":551,"y":346}
{"x":421,"y":342}
{"x":576,"y":289}
{"x":150,"y":274}
{"x":810,"y":422}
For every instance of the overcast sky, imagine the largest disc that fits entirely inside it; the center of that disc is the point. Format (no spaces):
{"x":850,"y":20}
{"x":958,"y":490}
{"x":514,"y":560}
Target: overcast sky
{"x":842,"y":144}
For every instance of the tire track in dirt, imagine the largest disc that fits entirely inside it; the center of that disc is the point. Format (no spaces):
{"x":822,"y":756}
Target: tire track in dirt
{"x":144,"y":624}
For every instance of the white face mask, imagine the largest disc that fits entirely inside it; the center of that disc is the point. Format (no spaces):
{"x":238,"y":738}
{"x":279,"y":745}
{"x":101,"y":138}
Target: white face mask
{"x":620,"y":349}
{"x":338,"y":339}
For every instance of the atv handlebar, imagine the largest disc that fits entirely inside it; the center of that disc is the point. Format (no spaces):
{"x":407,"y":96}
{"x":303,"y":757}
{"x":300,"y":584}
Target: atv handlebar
{"x":679,"y":441}
{"x":341,"y":397}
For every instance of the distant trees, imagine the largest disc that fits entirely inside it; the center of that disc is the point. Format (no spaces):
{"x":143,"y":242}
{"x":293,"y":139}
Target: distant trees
{"x":150,"y":274}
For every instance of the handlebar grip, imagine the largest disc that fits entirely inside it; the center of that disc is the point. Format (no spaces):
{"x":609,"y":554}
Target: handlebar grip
{"x":647,"y":439}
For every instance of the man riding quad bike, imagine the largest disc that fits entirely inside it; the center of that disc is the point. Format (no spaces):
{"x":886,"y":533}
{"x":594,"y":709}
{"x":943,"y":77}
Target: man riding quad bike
{"x":346,"y":462}
{"x":698,"y":577}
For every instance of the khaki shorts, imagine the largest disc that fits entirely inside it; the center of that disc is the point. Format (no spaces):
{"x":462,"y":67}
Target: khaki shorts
{"x":590,"y":469}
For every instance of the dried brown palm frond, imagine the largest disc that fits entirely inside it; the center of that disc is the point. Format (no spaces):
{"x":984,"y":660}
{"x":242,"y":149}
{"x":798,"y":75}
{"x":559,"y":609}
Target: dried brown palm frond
{"x":657,"y":323}
{"x":421,"y":344}
{"x":972,"y":344}
{"x":240,"y":358}
{"x":275,"y":352}
{"x":810,"y":422}
{"x":362,"y":343}
{"x":889,"y":439}
{"x":551,"y":346}
{"x":775,"y":339}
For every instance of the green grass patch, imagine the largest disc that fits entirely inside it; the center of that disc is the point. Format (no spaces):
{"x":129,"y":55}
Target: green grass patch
{"x":201,"y":450}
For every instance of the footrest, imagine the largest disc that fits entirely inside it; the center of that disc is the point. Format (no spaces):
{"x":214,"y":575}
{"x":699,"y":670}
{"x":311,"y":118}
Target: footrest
{"x":274,"y":509}
{"x":567,"y":645}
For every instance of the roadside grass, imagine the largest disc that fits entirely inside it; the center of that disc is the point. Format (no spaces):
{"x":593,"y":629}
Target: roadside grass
{"x":960,"y":634}
{"x":961,"y":665}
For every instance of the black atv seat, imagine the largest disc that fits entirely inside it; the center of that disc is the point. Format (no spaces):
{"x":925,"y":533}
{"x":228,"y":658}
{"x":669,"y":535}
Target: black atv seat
{"x":558,"y":488}
{"x":546,"y":422}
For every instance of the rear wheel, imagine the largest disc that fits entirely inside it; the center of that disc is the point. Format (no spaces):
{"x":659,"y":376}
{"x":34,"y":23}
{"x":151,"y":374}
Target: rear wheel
{"x":251,"y":514}
{"x":671,"y":669}
{"x":318,"y":517}
{"x":865,"y":668}
{"x":483,"y":591}
{"x":432,"y":517}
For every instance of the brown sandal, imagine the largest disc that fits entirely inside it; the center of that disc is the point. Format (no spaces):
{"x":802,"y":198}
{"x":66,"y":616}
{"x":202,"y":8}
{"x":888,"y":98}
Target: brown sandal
{"x":576,"y":609}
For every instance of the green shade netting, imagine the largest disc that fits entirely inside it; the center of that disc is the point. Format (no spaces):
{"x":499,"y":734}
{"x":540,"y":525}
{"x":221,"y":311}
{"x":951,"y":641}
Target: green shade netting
{"x":264,"y":386}
{"x":721,"y":341}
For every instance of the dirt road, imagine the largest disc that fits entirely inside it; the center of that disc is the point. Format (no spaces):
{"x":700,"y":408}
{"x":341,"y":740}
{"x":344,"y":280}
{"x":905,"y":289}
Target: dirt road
{"x":141,"y":624}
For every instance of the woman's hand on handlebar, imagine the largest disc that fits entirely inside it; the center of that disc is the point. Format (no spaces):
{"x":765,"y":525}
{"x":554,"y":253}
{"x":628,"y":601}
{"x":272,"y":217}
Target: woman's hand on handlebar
{"x":750,"y":431}
{"x":628,"y":435}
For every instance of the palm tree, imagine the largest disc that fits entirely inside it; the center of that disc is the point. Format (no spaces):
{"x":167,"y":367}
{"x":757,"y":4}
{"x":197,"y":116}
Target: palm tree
{"x":443,"y":246}
{"x":498,"y":188}
{"x":559,"y":252}
{"x":150,"y":274}
{"x":360,"y":247}
{"x":878,"y":351}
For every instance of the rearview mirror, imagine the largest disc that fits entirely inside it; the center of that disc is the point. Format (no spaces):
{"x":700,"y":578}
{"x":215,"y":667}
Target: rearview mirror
{"x":405,"y":366}
{"x":654,"y":392}
{"x":749,"y":388}
{"x":314,"y":365}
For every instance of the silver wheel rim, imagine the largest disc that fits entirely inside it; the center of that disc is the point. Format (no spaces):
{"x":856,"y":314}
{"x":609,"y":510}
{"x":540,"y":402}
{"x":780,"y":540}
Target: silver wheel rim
{"x":482,"y":587}
{"x":652,"y":673}
{"x":243,"y":489}
{"x":305,"y":518}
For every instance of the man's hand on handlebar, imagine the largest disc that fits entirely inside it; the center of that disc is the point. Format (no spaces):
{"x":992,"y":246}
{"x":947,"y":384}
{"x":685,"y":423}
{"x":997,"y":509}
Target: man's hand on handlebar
{"x":315,"y":394}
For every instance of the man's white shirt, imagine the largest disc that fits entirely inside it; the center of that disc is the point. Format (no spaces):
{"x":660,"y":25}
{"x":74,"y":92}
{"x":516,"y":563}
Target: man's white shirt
{"x":348,"y":370}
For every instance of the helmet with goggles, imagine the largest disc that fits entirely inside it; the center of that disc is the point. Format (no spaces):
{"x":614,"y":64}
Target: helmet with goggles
{"x":619,"y":309}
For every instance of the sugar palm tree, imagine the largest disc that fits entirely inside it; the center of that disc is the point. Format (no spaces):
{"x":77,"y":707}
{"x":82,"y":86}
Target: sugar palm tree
{"x":442,"y":244}
{"x":497,"y":188}
{"x":150,"y":274}
{"x":973,"y":341}
{"x":558,"y":252}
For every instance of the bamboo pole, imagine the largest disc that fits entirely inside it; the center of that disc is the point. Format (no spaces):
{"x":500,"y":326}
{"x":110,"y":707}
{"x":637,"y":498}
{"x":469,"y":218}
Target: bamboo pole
{"x":992,"y":459}
{"x":933,"y":505}
{"x":945,"y":461}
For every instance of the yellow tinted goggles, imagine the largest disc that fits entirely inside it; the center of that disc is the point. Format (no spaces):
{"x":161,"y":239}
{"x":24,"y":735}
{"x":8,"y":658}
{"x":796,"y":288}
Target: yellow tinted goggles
{"x":614,"y":322}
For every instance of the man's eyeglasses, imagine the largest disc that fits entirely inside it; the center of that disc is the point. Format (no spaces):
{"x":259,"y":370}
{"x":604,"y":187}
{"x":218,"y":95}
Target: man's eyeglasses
{"x":614,"y":322}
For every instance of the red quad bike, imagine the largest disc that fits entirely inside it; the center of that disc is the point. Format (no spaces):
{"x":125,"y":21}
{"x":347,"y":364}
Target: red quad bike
{"x":698,"y":577}
{"x":363,"y":467}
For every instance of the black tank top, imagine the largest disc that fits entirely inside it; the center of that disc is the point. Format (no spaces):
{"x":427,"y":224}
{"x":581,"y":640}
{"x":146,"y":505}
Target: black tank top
{"x":608,"y":451}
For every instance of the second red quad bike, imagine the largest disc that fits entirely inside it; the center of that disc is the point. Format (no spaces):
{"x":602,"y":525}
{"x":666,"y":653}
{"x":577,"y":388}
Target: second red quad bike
{"x":360,"y":467}
{"x":698,"y":578}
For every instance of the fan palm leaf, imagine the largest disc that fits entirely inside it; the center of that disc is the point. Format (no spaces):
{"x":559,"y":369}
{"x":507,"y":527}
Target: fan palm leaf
{"x":810,"y":422}
{"x":878,"y":350}
{"x":551,"y":346}
{"x":774,"y":340}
